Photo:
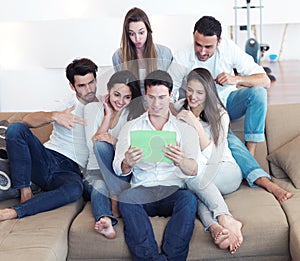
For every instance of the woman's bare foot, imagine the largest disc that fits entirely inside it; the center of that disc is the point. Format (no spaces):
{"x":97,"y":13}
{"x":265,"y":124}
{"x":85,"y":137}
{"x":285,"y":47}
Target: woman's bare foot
{"x":280,"y":194}
{"x":219,"y":234}
{"x":234,"y":227}
{"x":105,"y":228}
{"x":114,"y":206}
{"x":26,"y":194}
{"x":7,"y":213}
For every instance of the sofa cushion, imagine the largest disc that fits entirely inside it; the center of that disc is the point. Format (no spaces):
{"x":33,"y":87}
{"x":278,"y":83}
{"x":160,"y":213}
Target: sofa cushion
{"x":266,"y":232}
{"x":39,"y":237}
{"x":287,"y":158}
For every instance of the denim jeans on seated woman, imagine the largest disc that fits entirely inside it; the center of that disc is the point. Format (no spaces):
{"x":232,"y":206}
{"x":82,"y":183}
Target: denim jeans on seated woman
{"x":105,"y":153}
{"x":104,"y":183}
{"x":99,"y":196}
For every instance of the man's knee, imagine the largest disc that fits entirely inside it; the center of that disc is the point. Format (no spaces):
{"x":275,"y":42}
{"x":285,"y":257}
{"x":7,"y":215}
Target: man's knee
{"x":15,"y":129}
{"x":188,"y":200}
{"x":259,"y":94}
{"x":73,"y":190}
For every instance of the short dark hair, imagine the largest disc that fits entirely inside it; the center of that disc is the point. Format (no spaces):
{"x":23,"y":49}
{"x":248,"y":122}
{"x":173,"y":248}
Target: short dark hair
{"x":208,"y":26}
{"x":80,"y":67}
{"x":159,"y":77}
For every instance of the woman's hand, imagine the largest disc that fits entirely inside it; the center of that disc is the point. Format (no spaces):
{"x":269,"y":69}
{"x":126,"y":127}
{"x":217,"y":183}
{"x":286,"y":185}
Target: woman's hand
{"x":108,"y":110}
{"x":188,"y":117}
{"x":105,"y":137}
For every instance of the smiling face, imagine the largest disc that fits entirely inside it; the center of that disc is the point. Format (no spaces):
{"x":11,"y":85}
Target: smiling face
{"x":205,"y":46}
{"x":85,"y":88}
{"x":119,"y":96}
{"x":158,"y":100}
{"x":195,"y":94}
{"x":138,"y":33}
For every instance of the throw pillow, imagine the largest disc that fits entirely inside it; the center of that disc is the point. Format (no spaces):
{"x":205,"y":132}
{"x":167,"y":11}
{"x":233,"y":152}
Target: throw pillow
{"x":287,"y":158}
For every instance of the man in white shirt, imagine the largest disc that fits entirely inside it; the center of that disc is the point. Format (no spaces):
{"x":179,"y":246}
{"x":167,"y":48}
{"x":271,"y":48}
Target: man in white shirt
{"x":243,"y":94}
{"x":55,"y":165}
{"x":158,"y":187}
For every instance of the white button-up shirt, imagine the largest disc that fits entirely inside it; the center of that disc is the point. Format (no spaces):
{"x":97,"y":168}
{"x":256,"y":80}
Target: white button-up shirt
{"x":227,"y":56}
{"x":151,"y":174}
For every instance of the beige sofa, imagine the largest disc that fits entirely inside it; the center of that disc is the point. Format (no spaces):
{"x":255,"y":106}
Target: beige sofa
{"x":271,"y":230}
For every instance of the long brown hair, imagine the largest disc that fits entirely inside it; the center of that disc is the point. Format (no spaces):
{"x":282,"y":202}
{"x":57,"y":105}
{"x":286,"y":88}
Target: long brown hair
{"x":213,"y":108}
{"x":129,"y":54}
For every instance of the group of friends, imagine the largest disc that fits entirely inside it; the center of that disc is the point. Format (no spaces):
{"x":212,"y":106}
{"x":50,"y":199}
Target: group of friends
{"x":194,"y":93}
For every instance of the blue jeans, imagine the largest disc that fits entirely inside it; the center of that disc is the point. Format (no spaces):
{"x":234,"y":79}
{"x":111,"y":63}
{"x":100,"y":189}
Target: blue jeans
{"x":249,"y":166}
{"x":30,"y":160}
{"x":105,"y":153}
{"x":251,"y":103}
{"x":181,"y":205}
{"x":99,"y":196}
{"x":105,"y":183}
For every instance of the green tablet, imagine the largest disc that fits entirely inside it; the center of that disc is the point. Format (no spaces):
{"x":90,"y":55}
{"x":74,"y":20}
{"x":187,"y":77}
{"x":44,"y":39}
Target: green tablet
{"x":152,"y":143}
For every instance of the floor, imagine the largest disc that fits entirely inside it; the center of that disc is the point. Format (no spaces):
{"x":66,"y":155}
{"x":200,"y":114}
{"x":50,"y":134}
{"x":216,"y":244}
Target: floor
{"x":286,"y":88}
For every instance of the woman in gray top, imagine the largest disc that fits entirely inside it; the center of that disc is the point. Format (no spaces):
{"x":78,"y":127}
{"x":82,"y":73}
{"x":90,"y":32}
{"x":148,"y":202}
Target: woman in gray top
{"x":138,"y":53}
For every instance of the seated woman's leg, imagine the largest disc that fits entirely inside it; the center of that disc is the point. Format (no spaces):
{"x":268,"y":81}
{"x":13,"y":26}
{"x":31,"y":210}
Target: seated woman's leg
{"x":104,"y":152}
{"x":229,"y":177}
{"x":102,"y":210}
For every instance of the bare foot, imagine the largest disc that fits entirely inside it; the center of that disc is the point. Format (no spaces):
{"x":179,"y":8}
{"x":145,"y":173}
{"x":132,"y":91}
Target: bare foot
{"x":280,"y":194}
{"x":219,"y":234}
{"x":105,"y":228}
{"x":7,"y":213}
{"x":234,"y":227}
{"x":233,"y":242}
{"x":26,"y":194}
{"x":114,"y":206}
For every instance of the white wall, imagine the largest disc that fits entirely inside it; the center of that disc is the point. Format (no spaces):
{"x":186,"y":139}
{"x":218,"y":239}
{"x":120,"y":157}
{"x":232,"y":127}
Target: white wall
{"x":40,"y":37}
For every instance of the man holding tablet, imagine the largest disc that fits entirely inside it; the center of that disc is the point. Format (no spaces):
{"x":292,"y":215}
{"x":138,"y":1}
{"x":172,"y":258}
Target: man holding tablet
{"x":157,"y":188}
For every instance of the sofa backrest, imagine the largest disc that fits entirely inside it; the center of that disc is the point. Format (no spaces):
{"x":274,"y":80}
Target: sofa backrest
{"x":282,"y":125}
{"x":42,"y":133}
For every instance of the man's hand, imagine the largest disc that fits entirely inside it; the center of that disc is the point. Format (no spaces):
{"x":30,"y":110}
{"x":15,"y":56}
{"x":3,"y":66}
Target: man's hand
{"x":226,"y":78}
{"x":188,"y":166}
{"x":133,"y":156}
{"x":66,"y":119}
{"x":174,"y":153}
{"x":257,"y":79}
